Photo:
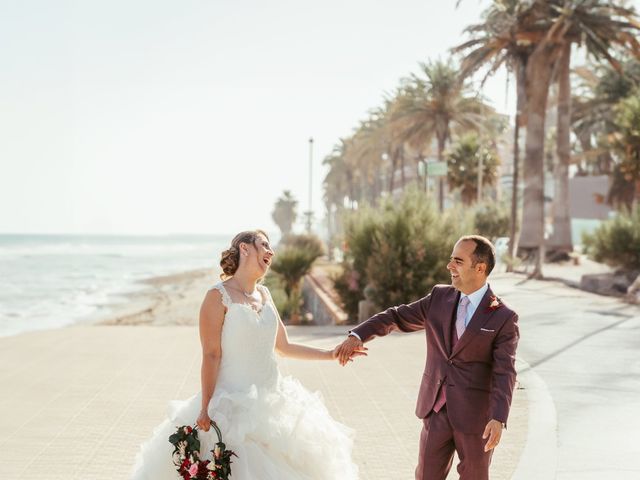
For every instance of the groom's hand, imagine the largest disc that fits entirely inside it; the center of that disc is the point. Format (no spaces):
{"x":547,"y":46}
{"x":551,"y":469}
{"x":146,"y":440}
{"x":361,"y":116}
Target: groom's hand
{"x":351,"y":347}
{"x":493,"y":431}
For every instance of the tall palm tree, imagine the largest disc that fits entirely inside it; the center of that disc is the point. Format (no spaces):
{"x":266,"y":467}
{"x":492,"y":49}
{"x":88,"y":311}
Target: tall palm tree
{"x":465,"y":156}
{"x":549,"y":25}
{"x":505,"y":38}
{"x":599,"y":26}
{"x":432,"y":105}
{"x":368,"y":146}
{"x":560,"y":241}
{"x":284,"y":212}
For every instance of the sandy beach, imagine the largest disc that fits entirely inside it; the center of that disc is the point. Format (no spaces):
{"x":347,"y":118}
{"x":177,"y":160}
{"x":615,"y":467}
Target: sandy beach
{"x":168,"y":300}
{"x":77,"y":401}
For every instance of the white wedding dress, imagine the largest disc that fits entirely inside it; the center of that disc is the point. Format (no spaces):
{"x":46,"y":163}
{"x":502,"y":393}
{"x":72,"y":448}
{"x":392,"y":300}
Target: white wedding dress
{"x":278,"y":429}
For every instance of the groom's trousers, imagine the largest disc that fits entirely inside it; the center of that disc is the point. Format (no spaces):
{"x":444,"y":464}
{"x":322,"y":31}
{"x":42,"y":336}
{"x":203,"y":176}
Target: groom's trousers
{"x":439,"y":441}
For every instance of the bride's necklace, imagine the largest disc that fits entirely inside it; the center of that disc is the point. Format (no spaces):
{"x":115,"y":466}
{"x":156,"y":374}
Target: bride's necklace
{"x":248,"y":295}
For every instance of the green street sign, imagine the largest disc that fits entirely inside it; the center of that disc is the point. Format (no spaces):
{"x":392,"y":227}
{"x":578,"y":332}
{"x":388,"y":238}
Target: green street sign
{"x":437,"y":169}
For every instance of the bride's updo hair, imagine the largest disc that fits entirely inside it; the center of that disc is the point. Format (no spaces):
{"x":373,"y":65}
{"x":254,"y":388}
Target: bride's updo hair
{"x":230,"y":258}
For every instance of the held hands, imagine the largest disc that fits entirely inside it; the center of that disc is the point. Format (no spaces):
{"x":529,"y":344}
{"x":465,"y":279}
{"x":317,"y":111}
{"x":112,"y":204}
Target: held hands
{"x":347,"y":350}
{"x":493,"y":431}
{"x":204,"y":421}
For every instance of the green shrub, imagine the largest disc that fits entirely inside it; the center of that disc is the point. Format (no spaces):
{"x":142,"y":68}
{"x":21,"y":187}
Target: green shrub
{"x":292,"y":264}
{"x":293,"y":260}
{"x":287,"y":307}
{"x":307,"y":242}
{"x":272,"y":282}
{"x":491,"y":220}
{"x":400,"y":248}
{"x":617,"y":241}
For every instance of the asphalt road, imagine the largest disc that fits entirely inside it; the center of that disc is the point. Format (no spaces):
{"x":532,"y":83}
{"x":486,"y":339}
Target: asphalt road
{"x":582,"y":350}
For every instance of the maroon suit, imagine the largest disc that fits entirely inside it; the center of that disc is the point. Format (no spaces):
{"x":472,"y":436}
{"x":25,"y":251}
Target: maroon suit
{"x":478,"y":373}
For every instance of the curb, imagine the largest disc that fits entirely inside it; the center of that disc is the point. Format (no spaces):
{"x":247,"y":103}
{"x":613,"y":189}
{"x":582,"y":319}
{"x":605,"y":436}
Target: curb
{"x":539,"y":460}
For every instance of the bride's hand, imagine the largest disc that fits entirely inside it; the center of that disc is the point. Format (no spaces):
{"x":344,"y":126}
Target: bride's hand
{"x":347,"y":350}
{"x":204,"y":421}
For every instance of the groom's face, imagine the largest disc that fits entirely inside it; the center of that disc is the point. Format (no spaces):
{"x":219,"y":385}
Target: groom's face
{"x":464,"y":275}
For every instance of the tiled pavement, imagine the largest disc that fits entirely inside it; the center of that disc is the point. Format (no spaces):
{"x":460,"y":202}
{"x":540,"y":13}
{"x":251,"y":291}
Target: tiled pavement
{"x":76,"y":402}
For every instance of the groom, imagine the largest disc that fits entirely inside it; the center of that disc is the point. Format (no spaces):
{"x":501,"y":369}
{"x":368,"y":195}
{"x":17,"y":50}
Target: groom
{"x":468,"y":382}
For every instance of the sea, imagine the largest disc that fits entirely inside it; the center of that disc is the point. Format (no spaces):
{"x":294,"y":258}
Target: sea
{"x":48,"y":281}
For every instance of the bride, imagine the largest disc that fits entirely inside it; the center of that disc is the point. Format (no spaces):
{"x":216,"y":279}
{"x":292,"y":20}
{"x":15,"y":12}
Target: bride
{"x":278,"y":429}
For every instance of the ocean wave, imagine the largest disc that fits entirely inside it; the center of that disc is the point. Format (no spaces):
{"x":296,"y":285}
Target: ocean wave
{"x":52,"y":281}
{"x":108,"y":251}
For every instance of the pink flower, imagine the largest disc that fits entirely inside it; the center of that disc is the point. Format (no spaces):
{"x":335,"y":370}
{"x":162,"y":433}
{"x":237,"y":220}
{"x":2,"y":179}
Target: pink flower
{"x":193,"y":470}
{"x":217,"y":452}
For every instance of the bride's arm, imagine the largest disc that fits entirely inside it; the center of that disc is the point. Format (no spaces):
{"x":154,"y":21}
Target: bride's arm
{"x":303,"y":352}
{"x":295,"y":350}
{"x":211,"y":319}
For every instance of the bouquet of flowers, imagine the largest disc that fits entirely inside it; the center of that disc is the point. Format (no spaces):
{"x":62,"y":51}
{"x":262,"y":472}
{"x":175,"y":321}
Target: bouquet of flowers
{"x":186,"y":455}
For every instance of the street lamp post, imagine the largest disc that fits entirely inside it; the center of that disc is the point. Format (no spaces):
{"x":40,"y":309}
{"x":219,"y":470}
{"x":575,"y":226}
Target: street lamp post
{"x":310,"y":212}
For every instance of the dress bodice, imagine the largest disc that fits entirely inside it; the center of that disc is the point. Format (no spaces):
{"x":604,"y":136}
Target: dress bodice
{"x":248,"y":344}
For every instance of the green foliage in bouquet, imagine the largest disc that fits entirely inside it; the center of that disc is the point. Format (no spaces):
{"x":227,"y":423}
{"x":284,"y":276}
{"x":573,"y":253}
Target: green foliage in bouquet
{"x":617,"y":241}
{"x":400,"y":248}
{"x":186,"y":455}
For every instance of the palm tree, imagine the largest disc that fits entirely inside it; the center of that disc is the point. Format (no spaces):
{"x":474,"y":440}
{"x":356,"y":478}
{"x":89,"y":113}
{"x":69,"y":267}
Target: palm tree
{"x":432,"y":105}
{"x":284,"y":212}
{"x":465,"y":156}
{"x":549,"y":25}
{"x":560,"y":241}
{"x":600,"y":26}
{"x":506,"y":37}
{"x":368,"y":145}
{"x":627,"y":140}
{"x":594,"y":117}
{"x":336,"y":191}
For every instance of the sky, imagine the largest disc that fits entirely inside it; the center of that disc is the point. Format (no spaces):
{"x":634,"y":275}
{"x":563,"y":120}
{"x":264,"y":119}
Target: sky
{"x":164,"y":117}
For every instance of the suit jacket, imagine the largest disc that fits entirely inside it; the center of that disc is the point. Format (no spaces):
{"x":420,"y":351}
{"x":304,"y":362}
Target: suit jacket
{"x":478,"y":373}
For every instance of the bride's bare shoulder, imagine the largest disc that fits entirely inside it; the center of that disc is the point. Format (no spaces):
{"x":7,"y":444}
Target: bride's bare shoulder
{"x":215,"y":298}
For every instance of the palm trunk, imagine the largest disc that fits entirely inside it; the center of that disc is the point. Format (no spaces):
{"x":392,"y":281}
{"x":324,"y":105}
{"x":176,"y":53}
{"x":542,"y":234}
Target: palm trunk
{"x":584,"y":137}
{"x":441,"y":144}
{"x":539,"y":71}
{"x":394,"y":163}
{"x":521,"y":106}
{"x":561,"y":241}
{"x":402,"y":175}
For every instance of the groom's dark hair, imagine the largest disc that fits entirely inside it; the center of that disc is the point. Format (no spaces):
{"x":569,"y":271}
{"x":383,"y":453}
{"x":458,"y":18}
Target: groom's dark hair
{"x":484,"y":252}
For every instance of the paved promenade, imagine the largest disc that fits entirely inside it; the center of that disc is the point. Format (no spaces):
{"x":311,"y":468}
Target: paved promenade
{"x":76,"y":402}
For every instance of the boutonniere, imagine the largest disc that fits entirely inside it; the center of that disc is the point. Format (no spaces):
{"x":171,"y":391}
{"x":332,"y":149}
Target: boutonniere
{"x":495,"y":303}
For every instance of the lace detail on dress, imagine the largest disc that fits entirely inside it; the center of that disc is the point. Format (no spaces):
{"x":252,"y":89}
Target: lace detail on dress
{"x":266,"y":294}
{"x":226,"y":299}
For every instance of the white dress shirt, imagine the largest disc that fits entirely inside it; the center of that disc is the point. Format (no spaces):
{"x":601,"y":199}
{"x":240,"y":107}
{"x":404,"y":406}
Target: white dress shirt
{"x":474,"y":300}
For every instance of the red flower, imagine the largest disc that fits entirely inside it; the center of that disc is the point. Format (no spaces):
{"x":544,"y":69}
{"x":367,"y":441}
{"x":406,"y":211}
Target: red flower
{"x":495,"y":303}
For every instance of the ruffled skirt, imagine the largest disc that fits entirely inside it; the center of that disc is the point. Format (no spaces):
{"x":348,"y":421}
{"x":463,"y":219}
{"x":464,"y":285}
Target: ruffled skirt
{"x":279,"y":433}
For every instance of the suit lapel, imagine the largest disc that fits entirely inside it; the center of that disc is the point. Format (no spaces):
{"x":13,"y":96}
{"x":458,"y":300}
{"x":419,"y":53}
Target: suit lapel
{"x":450,"y":308}
{"x":479,"y":319}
